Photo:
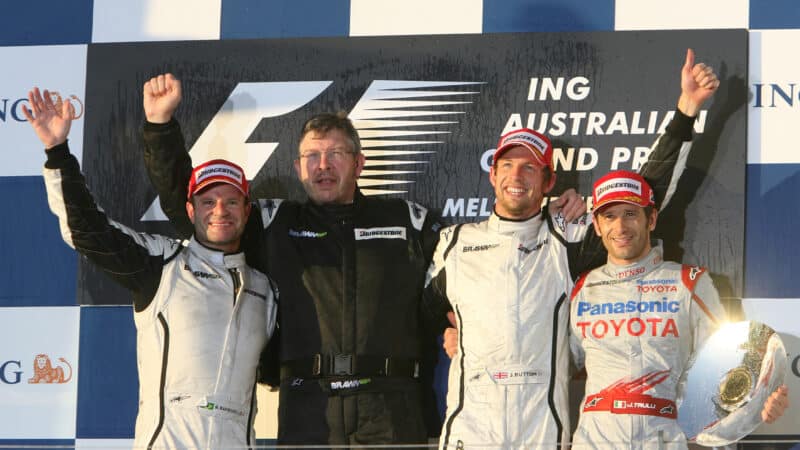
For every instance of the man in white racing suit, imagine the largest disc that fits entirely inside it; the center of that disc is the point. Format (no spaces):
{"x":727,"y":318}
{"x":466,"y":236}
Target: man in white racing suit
{"x":635,"y":324}
{"x":202,"y":316}
{"x":508,"y":279}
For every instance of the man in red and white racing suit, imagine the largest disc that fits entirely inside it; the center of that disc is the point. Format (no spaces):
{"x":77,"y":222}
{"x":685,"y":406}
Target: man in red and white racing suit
{"x":635,"y":325}
{"x":507,"y":279}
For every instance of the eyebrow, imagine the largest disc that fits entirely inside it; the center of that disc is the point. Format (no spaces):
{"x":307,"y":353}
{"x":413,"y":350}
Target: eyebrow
{"x":332,"y":149}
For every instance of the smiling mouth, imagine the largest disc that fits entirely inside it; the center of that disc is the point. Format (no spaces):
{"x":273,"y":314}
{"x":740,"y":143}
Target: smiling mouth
{"x":622,"y":241}
{"x":516,"y":191}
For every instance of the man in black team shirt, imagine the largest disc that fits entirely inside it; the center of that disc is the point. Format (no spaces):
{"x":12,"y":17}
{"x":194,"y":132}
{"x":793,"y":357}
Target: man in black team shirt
{"x":350,"y":269}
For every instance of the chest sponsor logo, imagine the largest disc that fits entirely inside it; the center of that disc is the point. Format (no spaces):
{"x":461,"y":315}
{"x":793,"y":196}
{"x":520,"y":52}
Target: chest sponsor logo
{"x":605,"y":283}
{"x":628,"y":326}
{"x":657,"y":286}
{"x":478,"y":248}
{"x":200,"y":274}
{"x":529,"y":250}
{"x":631,"y":306}
{"x":631,"y":326}
{"x":307,"y":234}
{"x":214,"y":406}
{"x":363,"y":234}
{"x":628,"y":273}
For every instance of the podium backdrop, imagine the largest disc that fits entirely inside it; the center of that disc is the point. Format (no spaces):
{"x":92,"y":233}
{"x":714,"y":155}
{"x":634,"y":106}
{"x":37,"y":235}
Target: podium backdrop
{"x":601,"y":78}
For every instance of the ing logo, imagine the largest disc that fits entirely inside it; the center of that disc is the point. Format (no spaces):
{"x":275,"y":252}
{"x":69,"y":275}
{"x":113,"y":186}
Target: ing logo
{"x":775,"y":95}
{"x":12,"y":110}
{"x":45,"y":372}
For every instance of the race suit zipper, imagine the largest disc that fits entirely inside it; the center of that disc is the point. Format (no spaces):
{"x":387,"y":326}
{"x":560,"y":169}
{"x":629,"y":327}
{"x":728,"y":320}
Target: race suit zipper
{"x":237,"y":283}
{"x":350,"y":323}
{"x":461,"y":387}
{"x":162,"y":384}
{"x":250,"y":414}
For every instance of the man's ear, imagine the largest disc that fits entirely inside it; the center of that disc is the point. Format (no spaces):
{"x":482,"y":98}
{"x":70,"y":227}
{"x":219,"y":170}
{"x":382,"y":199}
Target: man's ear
{"x":297,"y":168}
{"x":360,"y":161}
{"x":248,"y":206}
{"x":653,"y":218}
{"x":550,"y":184}
{"x":190,"y":210}
{"x":492,"y":175}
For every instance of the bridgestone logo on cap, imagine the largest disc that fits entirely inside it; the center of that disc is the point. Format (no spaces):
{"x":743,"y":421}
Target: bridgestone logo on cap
{"x":619,"y":185}
{"x":219,"y":170}
{"x":535,"y":141}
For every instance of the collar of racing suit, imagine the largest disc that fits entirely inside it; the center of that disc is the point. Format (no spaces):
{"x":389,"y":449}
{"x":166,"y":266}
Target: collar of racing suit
{"x":506,"y":226}
{"x":216,"y":257}
{"x":340,"y":212}
{"x":638,"y":269}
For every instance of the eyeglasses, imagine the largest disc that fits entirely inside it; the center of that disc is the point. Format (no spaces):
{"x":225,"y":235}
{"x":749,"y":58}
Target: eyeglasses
{"x":332,"y":156}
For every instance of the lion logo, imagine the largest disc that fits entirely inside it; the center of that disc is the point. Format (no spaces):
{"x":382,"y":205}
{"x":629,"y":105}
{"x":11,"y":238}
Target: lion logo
{"x":44,"y":372}
{"x":58,"y":101}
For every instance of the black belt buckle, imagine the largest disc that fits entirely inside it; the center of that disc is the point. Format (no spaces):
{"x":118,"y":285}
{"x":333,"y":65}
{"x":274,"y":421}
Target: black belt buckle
{"x":342,"y":365}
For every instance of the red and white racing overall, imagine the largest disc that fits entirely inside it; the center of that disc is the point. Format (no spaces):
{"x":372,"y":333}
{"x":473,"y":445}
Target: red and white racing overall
{"x":636,"y":328}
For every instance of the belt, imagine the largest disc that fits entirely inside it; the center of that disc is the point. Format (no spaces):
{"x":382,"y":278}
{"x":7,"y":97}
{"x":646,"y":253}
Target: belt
{"x":348,"y":364}
{"x":617,"y":403}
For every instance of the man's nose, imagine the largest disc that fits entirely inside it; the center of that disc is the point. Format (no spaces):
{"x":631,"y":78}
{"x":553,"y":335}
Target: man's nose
{"x":617,"y":223}
{"x":219,"y":208}
{"x":323,"y":160}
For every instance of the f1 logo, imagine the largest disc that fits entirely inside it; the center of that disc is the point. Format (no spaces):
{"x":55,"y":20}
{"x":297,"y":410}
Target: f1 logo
{"x":236,"y":119}
{"x":386,"y":105}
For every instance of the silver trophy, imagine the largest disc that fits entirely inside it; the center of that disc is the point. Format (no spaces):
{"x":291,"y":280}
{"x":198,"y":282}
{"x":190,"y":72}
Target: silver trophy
{"x":733,"y":374}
